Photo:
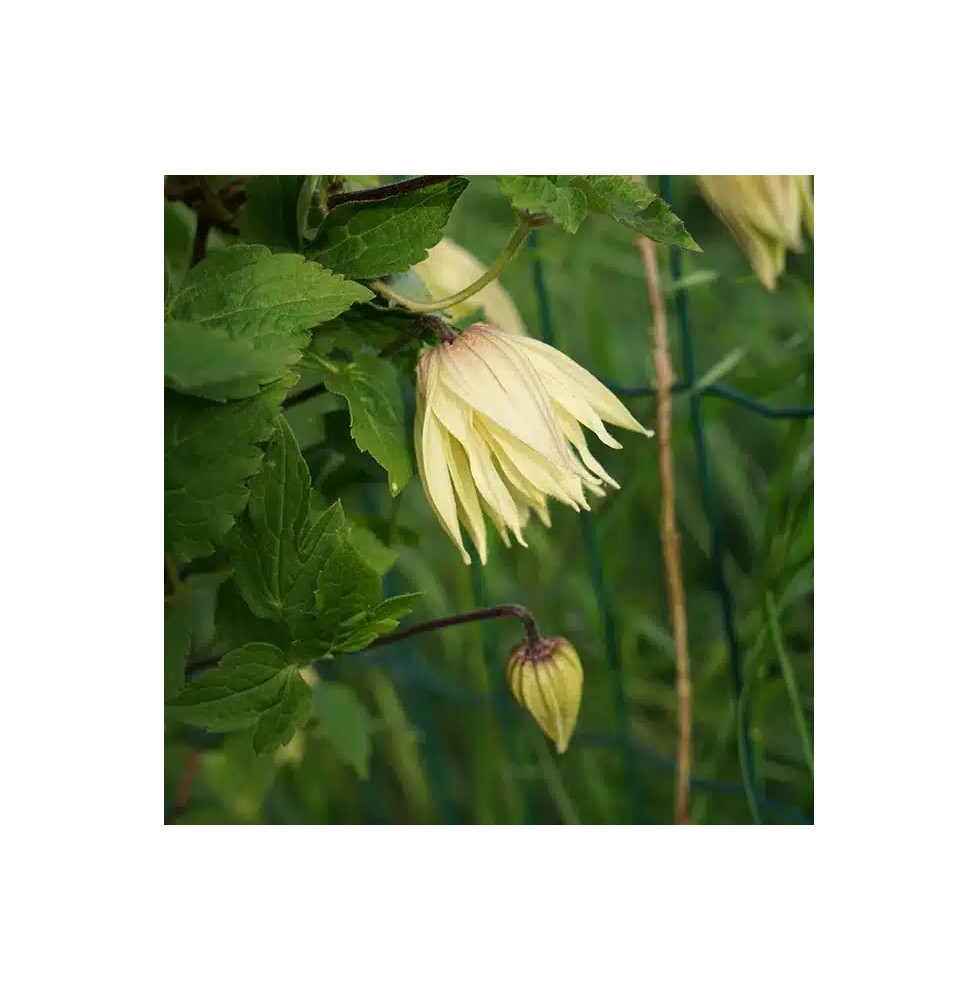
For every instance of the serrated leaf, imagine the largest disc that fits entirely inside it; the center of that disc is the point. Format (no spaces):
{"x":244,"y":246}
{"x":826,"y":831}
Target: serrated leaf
{"x":248,"y":290}
{"x":344,"y":722}
{"x":299,"y":567}
{"x":278,"y":724}
{"x":633,"y":205}
{"x":370,"y":239}
{"x":177,"y":626}
{"x":388,"y":614}
{"x":270,"y":214}
{"x":398,"y":606}
{"x":369,"y":385}
{"x":246,"y":683}
{"x":277,"y":549}
{"x":213,"y":362}
{"x":237,"y":625}
{"x":347,"y":592}
{"x":565,"y":203}
{"x":210,"y":451}
{"x":363,"y":324}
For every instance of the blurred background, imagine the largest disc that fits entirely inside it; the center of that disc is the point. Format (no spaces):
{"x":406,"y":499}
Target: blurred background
{"x":427,"y":731}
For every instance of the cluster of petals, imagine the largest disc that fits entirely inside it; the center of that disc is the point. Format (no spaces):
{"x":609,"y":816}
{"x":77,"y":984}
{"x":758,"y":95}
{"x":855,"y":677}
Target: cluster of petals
{"x":499,"y":429}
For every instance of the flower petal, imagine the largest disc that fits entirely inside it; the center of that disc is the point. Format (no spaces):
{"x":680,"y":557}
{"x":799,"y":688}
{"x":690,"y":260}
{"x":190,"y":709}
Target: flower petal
{"x":545,"y":476}
{"x":579,"y":382}
{"x":430,"y":447}
{"x":572,"y":429}
{"x":461,"y":476}
{"x":506,"y":395}
{"x":453,"y":414}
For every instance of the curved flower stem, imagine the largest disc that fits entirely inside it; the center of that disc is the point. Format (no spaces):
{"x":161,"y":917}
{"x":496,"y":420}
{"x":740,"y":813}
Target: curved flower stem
{"x":499,"y":611}
{"x":527,"y":222}
{"x":533,"y":636}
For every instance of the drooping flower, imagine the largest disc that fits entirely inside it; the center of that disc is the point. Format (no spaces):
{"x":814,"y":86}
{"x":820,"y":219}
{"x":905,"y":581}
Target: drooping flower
{"x":499,"y":428}
{"x":450,"y":267}
{"x":546,"y":678}
{"x":764,"y":212}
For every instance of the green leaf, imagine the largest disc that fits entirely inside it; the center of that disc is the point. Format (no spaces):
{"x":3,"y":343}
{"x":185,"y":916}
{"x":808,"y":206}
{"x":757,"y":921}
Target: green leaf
{"x":270,"y":215}
{"x":635,"y":206}
{"x":212,"y":362}
{"x":254,"y":685}
{"x":363,"y":324}
{"x":210,"y":451}
{"x":250,"y":291}
{"x":177,"y":626}
{"x":236,"y":624}
{"x":398,"y":606}
{"x":554,"y":196}
{"x":369,"y":384}
{"x":278,"y":724}
{"x":248,"y":682}
{"x":179,"y":223}
{"x":344,"y":721}
{"x":370,"y":239}
{"x":389,"y":613}
{"x":300,"y":567}
{"x":277,"y":549}
{"x":347,"y":592}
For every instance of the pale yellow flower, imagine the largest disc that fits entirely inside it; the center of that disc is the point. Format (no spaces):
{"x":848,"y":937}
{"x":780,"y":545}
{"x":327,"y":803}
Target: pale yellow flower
{"x":764,"y":212}
{"x":449,"y":268}
{"x":547,"y":680}
{"x":498,"y":428}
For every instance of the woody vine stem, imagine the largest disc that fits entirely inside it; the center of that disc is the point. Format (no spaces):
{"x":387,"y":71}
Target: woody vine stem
{"x":665,"y":378}
{"x":482,"y":614}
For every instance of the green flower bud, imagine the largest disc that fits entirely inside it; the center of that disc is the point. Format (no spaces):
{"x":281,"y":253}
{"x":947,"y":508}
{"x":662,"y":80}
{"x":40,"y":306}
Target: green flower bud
{"x":546,"y":678}
{"x":764,"y":212}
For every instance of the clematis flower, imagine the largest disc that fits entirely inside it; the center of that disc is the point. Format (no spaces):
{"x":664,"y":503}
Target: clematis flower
{"x":764,"y":212}
{"x":499,"y":429}
{"x":546,"y":678}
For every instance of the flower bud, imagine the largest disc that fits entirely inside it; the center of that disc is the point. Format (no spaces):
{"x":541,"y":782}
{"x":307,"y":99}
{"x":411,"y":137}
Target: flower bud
{"x":546,"y":678}
{"x":764,"y":212}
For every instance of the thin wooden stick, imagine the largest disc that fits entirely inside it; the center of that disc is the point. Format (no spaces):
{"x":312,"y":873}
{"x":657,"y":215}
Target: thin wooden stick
{"x":664,"y":379}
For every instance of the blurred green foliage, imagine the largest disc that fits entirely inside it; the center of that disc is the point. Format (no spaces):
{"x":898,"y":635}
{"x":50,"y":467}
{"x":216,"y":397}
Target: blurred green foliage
{"x":448,"y":745}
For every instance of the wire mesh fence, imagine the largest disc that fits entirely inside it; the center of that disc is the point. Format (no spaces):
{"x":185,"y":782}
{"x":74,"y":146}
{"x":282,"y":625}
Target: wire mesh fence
{"x":422,"y":687}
